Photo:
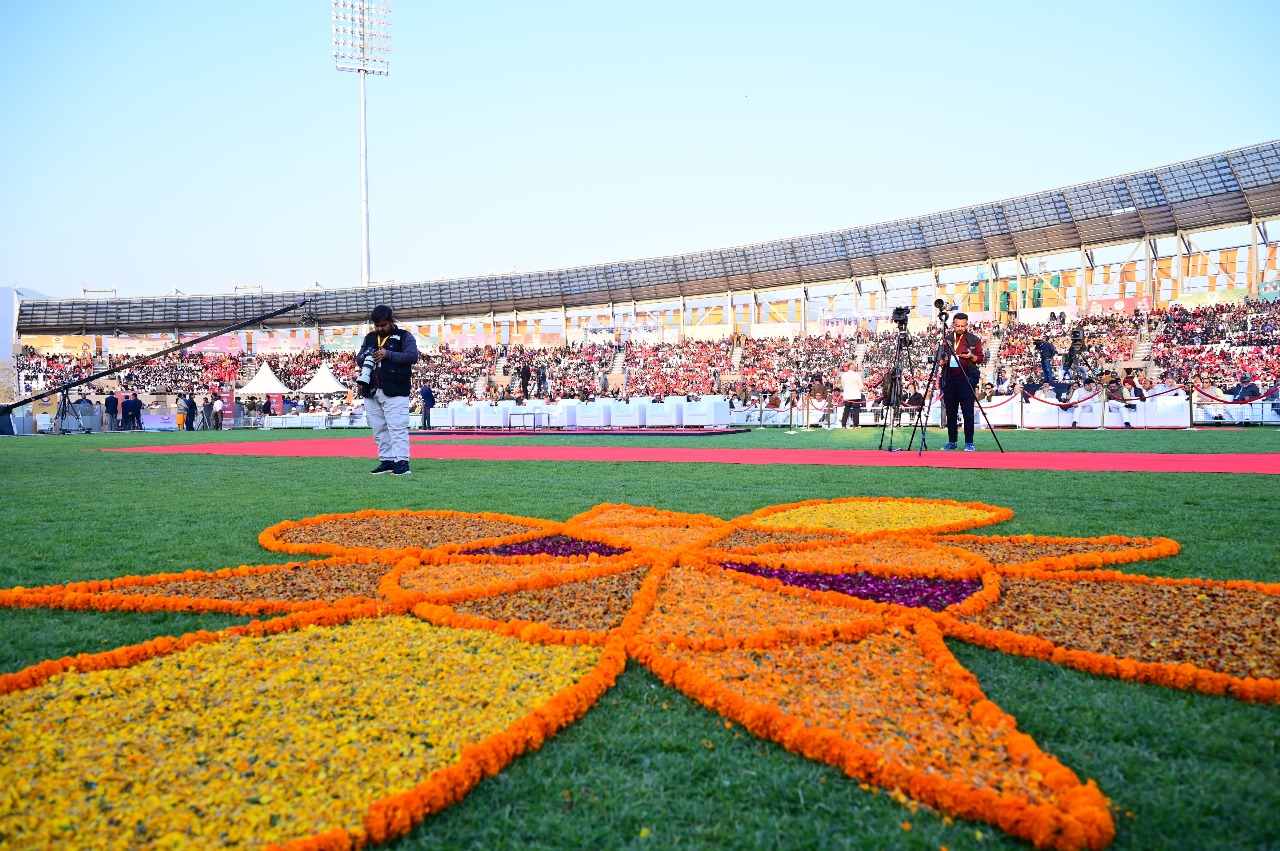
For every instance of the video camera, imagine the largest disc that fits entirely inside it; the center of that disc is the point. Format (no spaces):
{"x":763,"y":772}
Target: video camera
{"x":900,"y":315}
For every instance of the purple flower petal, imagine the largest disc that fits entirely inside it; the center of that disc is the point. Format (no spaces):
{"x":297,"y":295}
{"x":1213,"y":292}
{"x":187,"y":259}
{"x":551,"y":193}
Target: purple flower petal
{"x":552,"y":545}
{"x":919,"y":592}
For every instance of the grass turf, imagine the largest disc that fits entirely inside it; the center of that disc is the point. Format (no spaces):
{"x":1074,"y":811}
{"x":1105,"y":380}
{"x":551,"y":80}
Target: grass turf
{"x":1194,"y":771}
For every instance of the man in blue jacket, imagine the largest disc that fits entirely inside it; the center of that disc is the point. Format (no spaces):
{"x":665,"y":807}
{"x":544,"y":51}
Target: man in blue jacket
{"x":392,"y":352}
{"x":428,"y":402}
{"x":111,"y":406}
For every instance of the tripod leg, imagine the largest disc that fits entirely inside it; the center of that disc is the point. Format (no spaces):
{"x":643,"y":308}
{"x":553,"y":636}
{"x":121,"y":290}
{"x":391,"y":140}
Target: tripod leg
{"x":985,"y":418}
{"x":922,"y":419}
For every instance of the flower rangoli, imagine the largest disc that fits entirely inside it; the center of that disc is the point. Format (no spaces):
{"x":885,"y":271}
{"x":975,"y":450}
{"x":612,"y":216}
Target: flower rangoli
{"x":429,"y":649}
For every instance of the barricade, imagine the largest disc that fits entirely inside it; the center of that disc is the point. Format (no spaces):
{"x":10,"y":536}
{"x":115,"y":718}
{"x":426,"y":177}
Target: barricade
{"x":1260,"y":410}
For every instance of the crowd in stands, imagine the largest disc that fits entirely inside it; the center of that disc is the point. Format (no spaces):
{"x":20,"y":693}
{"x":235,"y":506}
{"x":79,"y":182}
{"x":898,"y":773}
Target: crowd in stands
{"x":567,"y":370}
{"x":676,"y":369}
{"x":1210,"y":346}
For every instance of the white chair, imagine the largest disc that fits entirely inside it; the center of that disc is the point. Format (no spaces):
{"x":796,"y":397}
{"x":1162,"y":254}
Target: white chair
{"x":442,"y":417}
{"x":563,"y":414}
{"x":698,"y":414}
{"x":593,"y":415}
{"x":629,"y":414}
{"x":464,"y":415}
{"x":662,"y":415}
{"x":491,"y":416}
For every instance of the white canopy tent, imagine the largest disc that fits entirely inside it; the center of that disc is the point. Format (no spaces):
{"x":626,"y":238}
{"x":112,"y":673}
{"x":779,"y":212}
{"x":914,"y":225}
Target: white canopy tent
{"x":263,"y":383}
{"x":323,"y":383}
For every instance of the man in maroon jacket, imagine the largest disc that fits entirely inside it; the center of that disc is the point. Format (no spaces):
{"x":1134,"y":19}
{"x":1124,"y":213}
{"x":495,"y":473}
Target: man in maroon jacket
{"x":960,"y":355}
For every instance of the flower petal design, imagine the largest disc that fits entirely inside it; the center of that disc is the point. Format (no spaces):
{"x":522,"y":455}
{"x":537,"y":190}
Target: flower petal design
{"x":584,"y":611}
{"x":1034,"y":552}
{"x":264,"y":737}
{"x":825,"y":635}
{"x":709,"y":607}
{"x":649,"y":527}
{"x":396,"y":532}
{"x":892,"y":707}
{"x":244,"y":590}
{"x":1215,"y":637}
{"x":877,"y":515}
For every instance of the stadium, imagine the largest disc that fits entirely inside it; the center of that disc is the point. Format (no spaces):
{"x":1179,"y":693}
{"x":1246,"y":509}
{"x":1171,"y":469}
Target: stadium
{"x":682,"y":560}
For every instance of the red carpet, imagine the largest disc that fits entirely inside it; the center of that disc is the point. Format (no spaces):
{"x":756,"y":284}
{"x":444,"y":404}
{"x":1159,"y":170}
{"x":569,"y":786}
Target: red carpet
{"x":363,"y":447}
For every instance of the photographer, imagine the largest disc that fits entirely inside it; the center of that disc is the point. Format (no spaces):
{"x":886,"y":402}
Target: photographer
{"x":386,"y":359}
{"x":960,"y":355}
{"x":1047,"y":354}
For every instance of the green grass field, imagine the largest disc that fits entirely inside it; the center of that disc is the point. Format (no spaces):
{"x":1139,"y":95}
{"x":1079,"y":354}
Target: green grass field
{"x":1184,"y":770}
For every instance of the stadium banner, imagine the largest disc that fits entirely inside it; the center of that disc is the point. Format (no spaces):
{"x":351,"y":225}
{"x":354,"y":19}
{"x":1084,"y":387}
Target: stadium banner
{"x":463,"y":341}
{"x":543,"y":340}
{"x":766,"y":330}
{"x":1103,"y":306}
{"x":227,"y":344}
{"x":843,"y":326}
{"x":281,"y":345}
{"x":57,"y":344}
{"x":719,"y":331}
{"x":339,"y":342}
{"x":1037,"y":315}
{"x":1194,"y":300}
{"x":136,"y":346}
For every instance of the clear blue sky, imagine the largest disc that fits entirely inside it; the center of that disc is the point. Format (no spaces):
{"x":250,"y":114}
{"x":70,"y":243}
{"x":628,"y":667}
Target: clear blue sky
{"x":161,"y":143}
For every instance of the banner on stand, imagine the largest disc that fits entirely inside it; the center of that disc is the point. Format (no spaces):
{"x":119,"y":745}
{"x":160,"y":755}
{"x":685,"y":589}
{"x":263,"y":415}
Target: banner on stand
{"x":340,"y":342}
{"x":59,"y":344}
{"x":136,"y":346}
{"x":1194,"y":300}
{"x":281,"y":345}
{"x":227,"y":344}
{"x":1104,"y":306}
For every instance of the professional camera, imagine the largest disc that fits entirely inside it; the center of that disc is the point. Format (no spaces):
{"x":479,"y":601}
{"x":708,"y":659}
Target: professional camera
{"x":364,"y":382}
{"x":900,"y":315}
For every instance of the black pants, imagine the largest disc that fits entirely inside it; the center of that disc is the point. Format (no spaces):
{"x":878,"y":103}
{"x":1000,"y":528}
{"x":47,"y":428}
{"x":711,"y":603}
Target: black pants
{"x":958,"y":395}
{"x":851,"y":407}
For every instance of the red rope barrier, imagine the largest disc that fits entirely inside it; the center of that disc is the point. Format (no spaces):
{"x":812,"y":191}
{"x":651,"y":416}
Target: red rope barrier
{"x":1202,"y":392}
{"x":1067,"y":404}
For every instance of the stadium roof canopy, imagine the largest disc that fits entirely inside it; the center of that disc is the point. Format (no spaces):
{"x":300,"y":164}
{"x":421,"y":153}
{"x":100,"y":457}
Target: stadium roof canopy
{"x":1221,"y":190}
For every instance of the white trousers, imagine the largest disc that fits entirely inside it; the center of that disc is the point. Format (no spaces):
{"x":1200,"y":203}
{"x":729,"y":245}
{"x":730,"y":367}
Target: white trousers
{"x":389,"y":418}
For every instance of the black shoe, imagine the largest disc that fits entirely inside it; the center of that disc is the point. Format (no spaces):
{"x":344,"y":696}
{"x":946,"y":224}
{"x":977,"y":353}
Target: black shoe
{"x":1073,"y":425}
{"x":1127,"y":425}
{"x":401,"y":469}
{"x":384,"y":467}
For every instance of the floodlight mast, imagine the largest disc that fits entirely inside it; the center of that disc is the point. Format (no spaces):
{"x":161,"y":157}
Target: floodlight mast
{"x":362,"y":43}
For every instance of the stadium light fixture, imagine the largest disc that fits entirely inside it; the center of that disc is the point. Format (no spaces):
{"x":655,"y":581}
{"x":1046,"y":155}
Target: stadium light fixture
{"x":362,"y":44}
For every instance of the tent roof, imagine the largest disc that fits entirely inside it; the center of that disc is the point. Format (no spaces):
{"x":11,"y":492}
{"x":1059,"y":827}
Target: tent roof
{"x":264,"y":382}
{"x":323,"y":382}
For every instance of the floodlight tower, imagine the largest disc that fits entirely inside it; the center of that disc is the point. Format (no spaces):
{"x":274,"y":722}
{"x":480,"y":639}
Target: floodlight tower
{"x":362,"y":43}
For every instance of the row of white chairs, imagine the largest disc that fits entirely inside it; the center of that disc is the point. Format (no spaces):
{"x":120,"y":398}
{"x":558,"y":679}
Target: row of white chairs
{"x":315,"y":421}
{"x":672,"y":412}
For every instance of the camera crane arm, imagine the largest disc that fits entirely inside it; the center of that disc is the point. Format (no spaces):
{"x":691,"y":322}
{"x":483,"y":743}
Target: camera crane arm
{"x":5,"y":410}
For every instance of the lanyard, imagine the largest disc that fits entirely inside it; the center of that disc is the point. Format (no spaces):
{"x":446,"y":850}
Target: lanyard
{"x":382,"y":341}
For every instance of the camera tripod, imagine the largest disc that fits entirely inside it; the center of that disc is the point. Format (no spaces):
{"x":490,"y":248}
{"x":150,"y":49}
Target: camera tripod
{"x":1077,"y":360}
{"x":893,"y":392}
{"x":945,"y":352}
{"x":67,"y":408}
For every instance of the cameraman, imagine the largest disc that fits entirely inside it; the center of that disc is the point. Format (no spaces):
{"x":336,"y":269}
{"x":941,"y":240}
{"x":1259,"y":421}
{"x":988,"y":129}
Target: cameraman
{"x":391,"y":352}
{"x":960,"y":355}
